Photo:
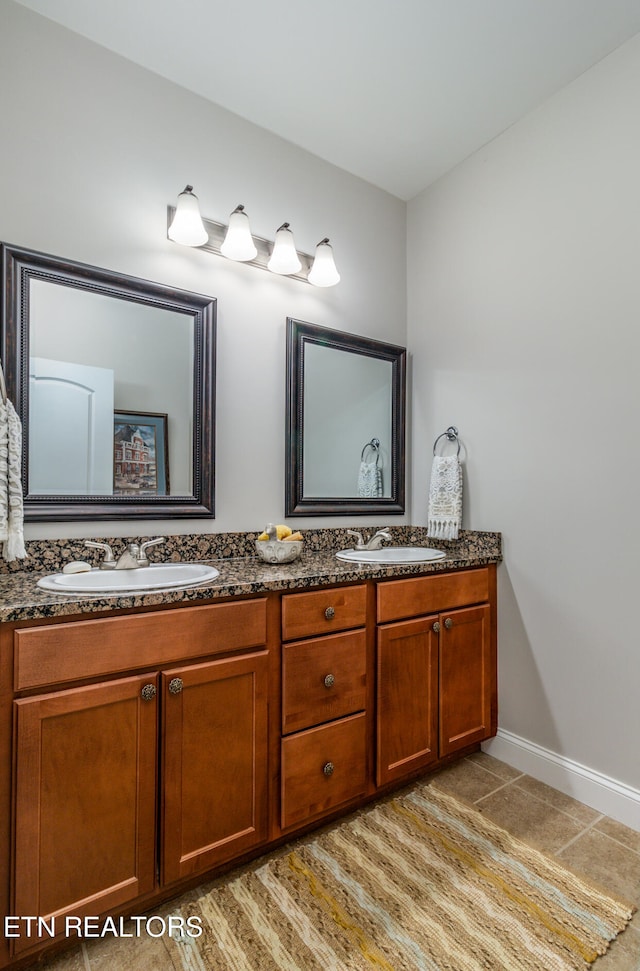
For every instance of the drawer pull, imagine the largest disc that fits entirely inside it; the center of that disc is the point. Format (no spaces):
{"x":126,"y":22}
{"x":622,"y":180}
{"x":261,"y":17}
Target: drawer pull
{"x":175,"y":686}
{"x":329,"y":681}
{"x":328,"y":768}
{"x":329,"y":613}
{"x":448,"y":623}
{"x":436,"y":627}
{"x":148,"y":692}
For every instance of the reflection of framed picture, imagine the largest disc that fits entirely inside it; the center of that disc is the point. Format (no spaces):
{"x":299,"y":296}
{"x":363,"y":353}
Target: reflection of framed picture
{"x":140,"y":454}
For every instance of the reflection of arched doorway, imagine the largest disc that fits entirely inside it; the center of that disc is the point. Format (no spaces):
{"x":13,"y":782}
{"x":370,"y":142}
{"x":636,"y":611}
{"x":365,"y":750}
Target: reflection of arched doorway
{"x":71,"y":416}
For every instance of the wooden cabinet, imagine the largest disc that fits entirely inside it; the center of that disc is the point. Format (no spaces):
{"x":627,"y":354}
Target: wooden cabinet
{"x":323,"y":611}
{"x":323,"y":768}
{"x":50,"y":654}
{"x":466,"y":678}
{"x":85,"y":800}
{"x":323,"y":679}
{"x":407,"y":699}
{"x":324,"y":750}
{"x":436,"y":674}
{"x":214,"y":763}
{"x":98,"y":764}
{"x":141,"y":750}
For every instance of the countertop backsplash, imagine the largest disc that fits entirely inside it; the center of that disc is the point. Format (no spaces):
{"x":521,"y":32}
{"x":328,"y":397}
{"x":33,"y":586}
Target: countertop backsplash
{"x":50,"y":555}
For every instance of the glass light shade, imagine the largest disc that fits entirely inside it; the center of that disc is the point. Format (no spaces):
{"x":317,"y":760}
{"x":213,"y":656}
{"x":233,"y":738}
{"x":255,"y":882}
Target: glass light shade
{"x":284,"y":258}
{"x":323,"y":273}
{"x":238,"y":243}
{"x":187,"y":226}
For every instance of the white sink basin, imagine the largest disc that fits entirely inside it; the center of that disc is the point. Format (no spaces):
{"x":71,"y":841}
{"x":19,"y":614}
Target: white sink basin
{"x":392,"y":554}
{"x":158,"y":576}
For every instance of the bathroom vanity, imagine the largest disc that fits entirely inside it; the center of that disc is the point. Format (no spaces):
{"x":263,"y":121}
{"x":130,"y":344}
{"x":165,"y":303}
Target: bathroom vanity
{"x":149,"y":742}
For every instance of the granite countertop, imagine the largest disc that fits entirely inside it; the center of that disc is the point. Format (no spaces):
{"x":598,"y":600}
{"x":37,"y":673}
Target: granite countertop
{"x":22,"y":599}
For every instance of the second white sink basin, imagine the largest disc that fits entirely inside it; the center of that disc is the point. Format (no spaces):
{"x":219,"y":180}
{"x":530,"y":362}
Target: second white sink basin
{"x":392,"y":554}
{"x":157,"y":576}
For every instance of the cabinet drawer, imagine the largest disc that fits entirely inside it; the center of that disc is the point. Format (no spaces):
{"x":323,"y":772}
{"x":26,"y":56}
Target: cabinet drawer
{"x":323,"y":611}
{"x":323,"y":679}
{"x":323,"y":768}
{"x":55,"y":653}
{"x":415,"y":596}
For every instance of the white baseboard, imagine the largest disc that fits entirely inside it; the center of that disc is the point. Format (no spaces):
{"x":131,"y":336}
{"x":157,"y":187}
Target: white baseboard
{"x":607,"y":795}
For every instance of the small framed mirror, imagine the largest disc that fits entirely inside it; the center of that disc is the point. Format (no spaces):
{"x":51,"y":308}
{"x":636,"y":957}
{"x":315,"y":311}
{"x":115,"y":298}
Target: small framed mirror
{"x":113,"y":378}
{"x":345,"y":430}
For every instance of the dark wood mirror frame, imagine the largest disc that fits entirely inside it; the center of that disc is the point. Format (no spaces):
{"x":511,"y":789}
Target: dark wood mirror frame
{"x":19,"y":267}
{"x":297,"y":503}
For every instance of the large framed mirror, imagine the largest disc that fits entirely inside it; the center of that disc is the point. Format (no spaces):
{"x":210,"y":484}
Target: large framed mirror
{"x":113,"y":378}
{"x":345,"y":423}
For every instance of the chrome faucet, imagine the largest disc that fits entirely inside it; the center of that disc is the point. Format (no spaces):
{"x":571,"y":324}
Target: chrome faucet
{"x":132,"y":559}
{"x":375,"y":541}
{"x":135,"y":555}
{"x":109,"y":562}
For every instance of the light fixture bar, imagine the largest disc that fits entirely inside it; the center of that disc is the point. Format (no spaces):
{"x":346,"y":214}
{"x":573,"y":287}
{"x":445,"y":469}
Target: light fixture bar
{"x":217,"y":232}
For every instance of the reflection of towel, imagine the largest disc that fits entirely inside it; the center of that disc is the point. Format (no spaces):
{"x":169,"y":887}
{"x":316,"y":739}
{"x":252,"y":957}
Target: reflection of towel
{"x":370,"y":480}
{"x":445,"y":498}
{"x":11,"y":509}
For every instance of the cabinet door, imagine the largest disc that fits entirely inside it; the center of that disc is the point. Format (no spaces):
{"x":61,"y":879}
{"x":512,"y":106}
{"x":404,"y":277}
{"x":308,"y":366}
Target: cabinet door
{"x":467,"y":678}
{"x":215,"y":765}
{"x":407,"y":706}
{"x":85,"y":798}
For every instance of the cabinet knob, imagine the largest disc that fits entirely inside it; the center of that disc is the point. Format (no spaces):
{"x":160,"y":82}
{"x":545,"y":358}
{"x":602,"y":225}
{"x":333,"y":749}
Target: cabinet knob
{"x":328,"y":768}
{"x":435,"y":627}
{"x":175,"y":686}
{"x":329,"y":681}
{"x":148,"y":692}
{"x":330,"y":613}
{"x":448,"y":623}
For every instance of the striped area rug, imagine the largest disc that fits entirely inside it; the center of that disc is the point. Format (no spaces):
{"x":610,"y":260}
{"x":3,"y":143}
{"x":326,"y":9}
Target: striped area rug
{"x":421,"y":882}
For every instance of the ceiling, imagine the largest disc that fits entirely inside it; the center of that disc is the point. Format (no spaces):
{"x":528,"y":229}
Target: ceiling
{"x":396,"y":92}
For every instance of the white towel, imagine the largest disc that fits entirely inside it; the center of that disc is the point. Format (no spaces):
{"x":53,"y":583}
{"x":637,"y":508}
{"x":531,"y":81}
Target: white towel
{"x":445,"y":498}
{"x":370,"y":480}
{"x":11,"y":506}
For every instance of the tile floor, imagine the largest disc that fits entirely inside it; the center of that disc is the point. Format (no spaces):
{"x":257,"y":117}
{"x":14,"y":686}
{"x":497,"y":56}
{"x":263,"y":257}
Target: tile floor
{"x":602,"y":849}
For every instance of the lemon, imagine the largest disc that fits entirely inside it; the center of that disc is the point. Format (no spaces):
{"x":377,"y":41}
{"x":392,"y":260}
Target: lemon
{"x":283,"y":531}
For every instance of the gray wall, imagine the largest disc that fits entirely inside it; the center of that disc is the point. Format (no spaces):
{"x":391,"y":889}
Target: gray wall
{"x":95,"y":148}
{"x":523,"y":310}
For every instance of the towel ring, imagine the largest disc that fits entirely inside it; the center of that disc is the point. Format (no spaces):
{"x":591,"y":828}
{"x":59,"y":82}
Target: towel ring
{"x":375,"y":445}
{"x":451,"y":435}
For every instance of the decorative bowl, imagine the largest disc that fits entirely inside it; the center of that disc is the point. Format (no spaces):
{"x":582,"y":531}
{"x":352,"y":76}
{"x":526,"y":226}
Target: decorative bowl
{"x":279,"y":550}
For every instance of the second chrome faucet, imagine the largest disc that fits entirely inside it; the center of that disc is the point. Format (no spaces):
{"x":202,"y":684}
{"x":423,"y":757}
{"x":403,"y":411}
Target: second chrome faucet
{"x":374,"y":543}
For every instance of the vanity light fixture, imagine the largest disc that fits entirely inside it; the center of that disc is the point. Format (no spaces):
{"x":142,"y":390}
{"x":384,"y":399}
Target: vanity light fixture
{"x":323,"y":273}
{"x":236,"y":242}
{"x":187,"y":227}
{"x":284,"y":258}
